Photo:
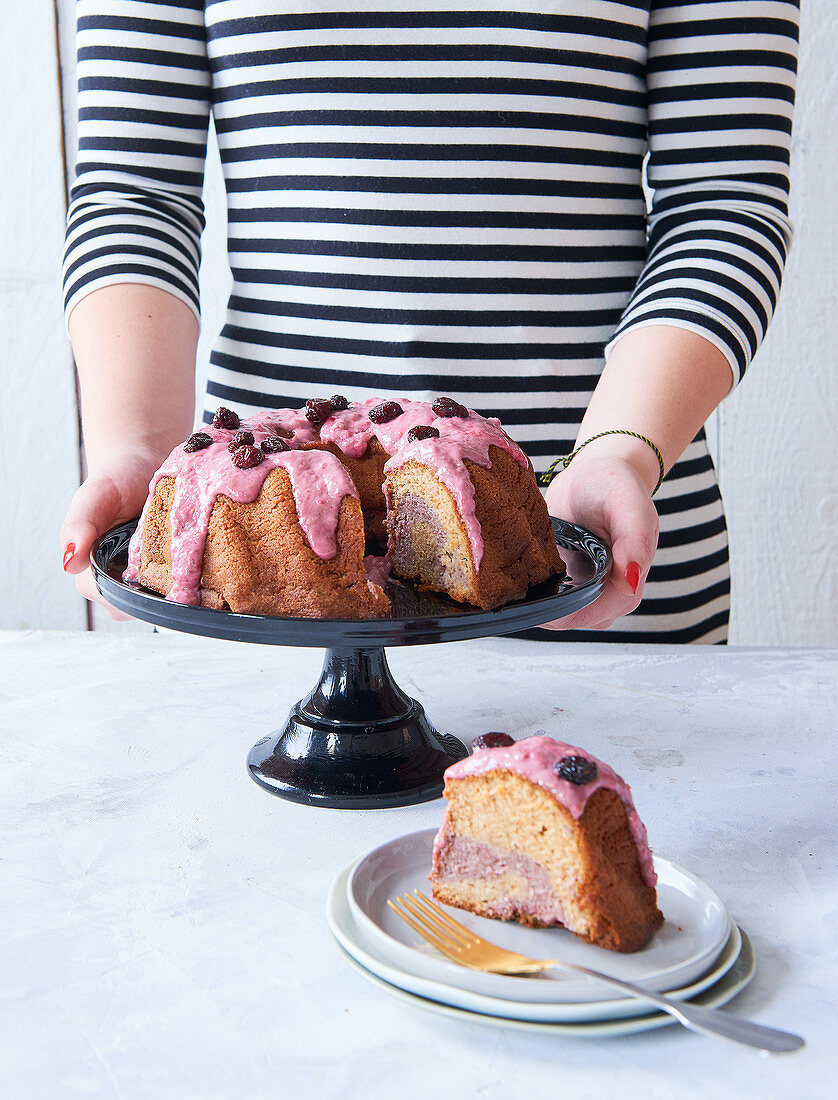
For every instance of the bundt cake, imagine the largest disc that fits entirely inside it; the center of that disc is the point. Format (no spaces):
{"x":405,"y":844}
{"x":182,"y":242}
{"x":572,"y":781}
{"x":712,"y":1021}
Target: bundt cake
{"x":275,"y":514}
{"x":544,"y":833}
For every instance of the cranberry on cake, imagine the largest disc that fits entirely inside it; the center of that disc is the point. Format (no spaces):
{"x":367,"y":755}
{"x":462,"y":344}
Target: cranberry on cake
{"x":542,"y":832}
{"x":274,"y":514}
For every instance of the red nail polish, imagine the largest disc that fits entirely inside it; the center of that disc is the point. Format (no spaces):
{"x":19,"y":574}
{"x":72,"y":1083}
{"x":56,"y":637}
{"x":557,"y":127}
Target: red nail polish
{"x":633,"y":575}
{"x":69,"y":554}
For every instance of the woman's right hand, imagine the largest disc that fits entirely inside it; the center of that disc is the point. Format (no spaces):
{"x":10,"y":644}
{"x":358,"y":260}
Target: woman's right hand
{"x":134,"y":347}
{"x":113,"y":492}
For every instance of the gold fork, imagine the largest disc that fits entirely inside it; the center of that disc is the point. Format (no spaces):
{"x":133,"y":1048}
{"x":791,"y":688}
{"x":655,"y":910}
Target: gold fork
{"x":463,"y":946}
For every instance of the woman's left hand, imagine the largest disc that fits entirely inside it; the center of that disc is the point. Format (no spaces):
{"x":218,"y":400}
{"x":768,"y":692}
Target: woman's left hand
{"x":610,"y":496}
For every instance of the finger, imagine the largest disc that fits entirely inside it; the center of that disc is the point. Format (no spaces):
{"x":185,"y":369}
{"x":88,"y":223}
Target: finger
{"x":634,"y":534}
{"x":587,"y":619}
{"x":93,"y":510}
{"x":87,"y":588}
{"x":610,"y":605}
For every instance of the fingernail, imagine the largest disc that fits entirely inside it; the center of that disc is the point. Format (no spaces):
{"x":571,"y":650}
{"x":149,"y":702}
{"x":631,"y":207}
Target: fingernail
{"x":69,"y":554}
{"x":633,"y":575}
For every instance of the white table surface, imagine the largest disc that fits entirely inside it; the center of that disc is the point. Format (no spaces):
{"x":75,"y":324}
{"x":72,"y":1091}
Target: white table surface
{"x":162,"y":918}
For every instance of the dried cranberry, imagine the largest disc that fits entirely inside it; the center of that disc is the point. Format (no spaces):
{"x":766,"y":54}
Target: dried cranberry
{"x":225,"y":418}
{"x":318,"y":409}
{"x":239,"y":440}
{"x":273,"y":445}
{"x":247,"y":457}
{"x":578,"y":770}
{"x":387,"y":410}
{"x":339,"y":403}
{"x":492,"y":740}
{"x":197,"y":441}
{"x":421,"y":431}
{"x":447,"y":406}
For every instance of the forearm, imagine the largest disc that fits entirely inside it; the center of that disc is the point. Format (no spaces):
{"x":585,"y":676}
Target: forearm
{"x":662,"y":382}
{"x":134,"y":347}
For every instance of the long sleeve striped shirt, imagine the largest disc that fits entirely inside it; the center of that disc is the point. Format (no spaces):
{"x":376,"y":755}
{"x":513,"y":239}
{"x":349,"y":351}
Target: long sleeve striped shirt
{"x":476,"y":202}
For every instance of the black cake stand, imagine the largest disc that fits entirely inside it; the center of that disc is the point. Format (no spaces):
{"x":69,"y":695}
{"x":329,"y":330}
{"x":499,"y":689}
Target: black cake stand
{"x":357,"y":741}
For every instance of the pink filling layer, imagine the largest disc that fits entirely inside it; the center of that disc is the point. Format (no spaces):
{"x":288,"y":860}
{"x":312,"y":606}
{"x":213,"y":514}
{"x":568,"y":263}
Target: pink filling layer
{"x":461,"y":858}
{"x":535,"y":758}
{"x":377,"y":568}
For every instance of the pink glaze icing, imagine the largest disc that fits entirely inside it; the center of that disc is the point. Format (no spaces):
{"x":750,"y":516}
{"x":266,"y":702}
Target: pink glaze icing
{"x":351,"y":429}
{"x":534,"y":759}
{"x":319,"y":482}
{"x":287,"y":420}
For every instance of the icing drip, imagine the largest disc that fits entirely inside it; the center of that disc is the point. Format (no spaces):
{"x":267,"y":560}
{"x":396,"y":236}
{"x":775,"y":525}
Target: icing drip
{"x":534,"y":759}
{"x":319,"y":482}
{"x":351,"y":429}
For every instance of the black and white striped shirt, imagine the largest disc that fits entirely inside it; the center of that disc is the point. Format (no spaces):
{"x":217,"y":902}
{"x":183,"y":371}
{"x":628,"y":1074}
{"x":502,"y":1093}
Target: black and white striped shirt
{"x":424,"y":200}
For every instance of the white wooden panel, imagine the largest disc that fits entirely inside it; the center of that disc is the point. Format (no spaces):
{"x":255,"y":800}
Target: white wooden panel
{"x":39,"y":441}
{"x":216,"y":280}
{"x":777,"y":434}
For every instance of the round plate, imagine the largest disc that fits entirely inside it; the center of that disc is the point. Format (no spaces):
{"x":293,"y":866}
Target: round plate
{"x":416,"y":618}
{"x":353,"y":942}
{"x":696,"y":929}
{"x":733,"y":982}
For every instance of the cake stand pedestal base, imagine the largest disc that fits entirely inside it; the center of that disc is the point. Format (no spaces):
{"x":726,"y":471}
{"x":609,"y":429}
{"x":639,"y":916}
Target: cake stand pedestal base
{"x":357,"y":741}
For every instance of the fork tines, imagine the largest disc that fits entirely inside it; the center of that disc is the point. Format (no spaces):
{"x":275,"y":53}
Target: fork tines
{"x":459,"y":943}
{"x":432,"y":924}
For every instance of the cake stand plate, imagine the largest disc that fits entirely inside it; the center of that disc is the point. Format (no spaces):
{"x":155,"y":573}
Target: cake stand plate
{"x":357,"y":741}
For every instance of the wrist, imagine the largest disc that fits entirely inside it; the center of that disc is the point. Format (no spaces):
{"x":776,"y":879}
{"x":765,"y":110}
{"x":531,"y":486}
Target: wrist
{"x":104,"y":450}
{"x":628,"y":449}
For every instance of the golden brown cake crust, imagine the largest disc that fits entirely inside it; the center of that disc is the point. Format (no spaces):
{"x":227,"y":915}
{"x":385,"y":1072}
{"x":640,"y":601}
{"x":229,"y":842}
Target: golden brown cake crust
{"x":257,"y":559}
{"x":592,"y":863}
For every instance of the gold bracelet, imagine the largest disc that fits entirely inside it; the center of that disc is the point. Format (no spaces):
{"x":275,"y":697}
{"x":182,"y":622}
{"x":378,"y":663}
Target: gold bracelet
{"x":566,"y":460}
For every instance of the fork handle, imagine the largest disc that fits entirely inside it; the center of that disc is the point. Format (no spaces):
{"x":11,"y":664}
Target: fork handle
{"x":707,"y":1020}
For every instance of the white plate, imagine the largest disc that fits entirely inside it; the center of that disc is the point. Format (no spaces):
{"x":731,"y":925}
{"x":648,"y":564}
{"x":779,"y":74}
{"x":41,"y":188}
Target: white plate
{"x":696,"y":928}
{"x":723,"y":991}
{"x":351,"y":939}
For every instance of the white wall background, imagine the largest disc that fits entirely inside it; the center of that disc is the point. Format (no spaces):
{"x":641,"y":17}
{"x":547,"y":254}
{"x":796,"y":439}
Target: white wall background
{"x":38,"y":423}
{"x":774,"y":440}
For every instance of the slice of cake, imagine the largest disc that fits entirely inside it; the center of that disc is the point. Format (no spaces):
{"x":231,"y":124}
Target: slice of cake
{"x":544,"y":833}
{"x":464,"y":512}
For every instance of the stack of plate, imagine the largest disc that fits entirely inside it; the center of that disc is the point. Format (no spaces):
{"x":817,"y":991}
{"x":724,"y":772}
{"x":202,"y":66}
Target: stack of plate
{"x":699,"y":954}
